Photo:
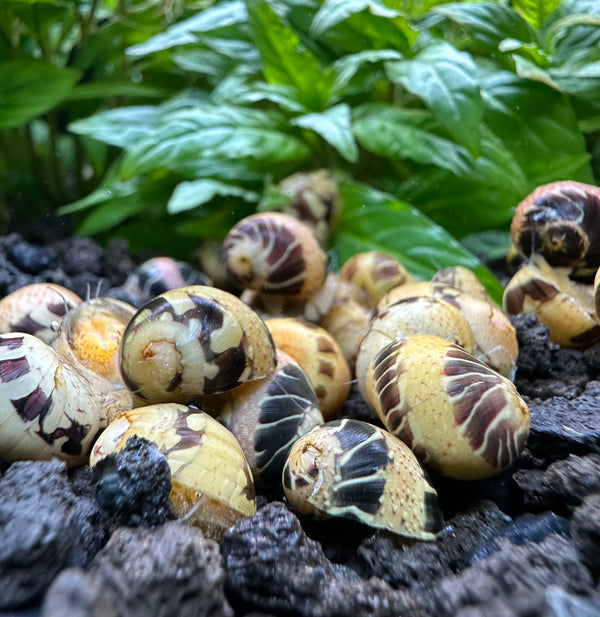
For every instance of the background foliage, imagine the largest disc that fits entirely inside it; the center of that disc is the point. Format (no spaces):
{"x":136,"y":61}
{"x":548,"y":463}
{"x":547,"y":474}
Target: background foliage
{"x":165,"y":122}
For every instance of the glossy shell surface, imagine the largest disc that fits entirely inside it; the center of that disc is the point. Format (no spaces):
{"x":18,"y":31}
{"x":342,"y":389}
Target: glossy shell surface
{"x":267,"y":416}
{"x":36,"y":309}
{"x":212,"y":484}
{"x":560,"y":221}
{"x":317,"y":352}
{"x":354,"y":470}
{"x":275,"y":253}
{"x":192,"y":341}
{"x":460,"y":418}
{"x":47,"y":408}
{"x":464,"y":279}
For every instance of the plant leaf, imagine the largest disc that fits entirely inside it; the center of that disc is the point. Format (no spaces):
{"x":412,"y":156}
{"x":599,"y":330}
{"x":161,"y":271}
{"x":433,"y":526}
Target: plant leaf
{"x":333,"y":125}
{"x":189,"y":195}
{"x":332,"y":12}
{"x":29,"y":88}
{"x":536,"y":12}
{"x":444,"y":79}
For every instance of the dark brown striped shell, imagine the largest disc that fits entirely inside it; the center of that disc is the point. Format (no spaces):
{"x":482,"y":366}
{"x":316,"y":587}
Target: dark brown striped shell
{"x":266,"y":416}
{"x":459,"y":417}
{"x":275,"y":253}
{"x":211,"y":482}
{"x":352,"y":469}
{"x":561,"y":221}
{"x":192,"y":341}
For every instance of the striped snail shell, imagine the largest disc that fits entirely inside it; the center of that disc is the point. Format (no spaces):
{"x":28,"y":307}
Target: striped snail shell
{"x":561,"y":221}
{"x":566,"y":307}
{"x":459,"y":417}
{"x":317,"y":352}
{"x":47,"y":407}
{"x":211,"y":482}
{"x":408,"y":316}
{"x":597,"y":294}
{"x":192,"y":341}
{"x":463,"y":279}
{"x":266,"y":416}
{"x":91,"y":333}
{"x":36,"y":309}
{"x":374,"y":273}
{"x":314,"y":199}
{"x":275,"y":253}
{"x":352,"y":469}
{"x":495,"y":337}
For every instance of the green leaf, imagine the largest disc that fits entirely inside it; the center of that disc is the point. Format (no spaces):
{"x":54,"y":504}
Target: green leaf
{"x":332,"y":12}
{"x":333,"y":125}
{"x":346,"y":67}
{"x":110,"y":214}
{"x":189,"y":195}
{"x":109,"y":191}
{"x":184,"y":32}
{"x":103,"y":89}
{"x":444,"y":79}
{"x":399,"y":133}
{"x":373,"y":220}
{"x":491,"y":244}
{"x":285,"y":59}
{"x":536,"y":12}
{"x":29,"y":88}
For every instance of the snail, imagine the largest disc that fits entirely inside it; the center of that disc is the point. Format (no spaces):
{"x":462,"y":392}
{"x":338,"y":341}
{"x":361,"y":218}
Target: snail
{"x":566,"y":307}
{"x":408,"y":316}
{"x":561,"y":222}
{"x":211,"y":483}
{"x":463,"y":279}
{"x":597,"y":294}
{"x":460,"y":418}
{"x":374,"y":273}
{"x":275,"y":253}
{"x":352,"y":469}
{"x":317,"y":352}
{"x":495,"y":337}
{"x":267,"y":415}
{"x":36,"y":309}
{"x":193,"y":341}
{"x":314,"y":199}
{"x":47,"y":406}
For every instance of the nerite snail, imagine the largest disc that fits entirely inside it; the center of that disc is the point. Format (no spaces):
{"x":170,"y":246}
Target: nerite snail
{"x":355,"y":470}
{"x":459,"y":417}
{"x":266,"y":416}
{"x":561,"y":221}
{"x":274,"y":253}
{"x":211,"y":482}
{"x":192,"y":341}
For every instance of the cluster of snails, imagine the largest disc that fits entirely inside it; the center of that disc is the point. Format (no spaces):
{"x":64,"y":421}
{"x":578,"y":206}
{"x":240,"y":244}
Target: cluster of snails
{"x":555,"y":235}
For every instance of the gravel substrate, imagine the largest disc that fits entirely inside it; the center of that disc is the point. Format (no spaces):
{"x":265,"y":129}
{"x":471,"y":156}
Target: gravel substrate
{"x":525,"y":543}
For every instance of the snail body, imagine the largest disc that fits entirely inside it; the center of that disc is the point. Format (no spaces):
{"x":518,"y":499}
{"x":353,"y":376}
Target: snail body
{"x":47,"y":407}
{"x":193,"y":341}
{"x":352,"y":469}
{"x":274,"y":253}
{"x":211,"y":482}
{"x":266,"y":416}
{"x":36,"y":309}
{"x":460,"y":417}
{"x":561,"y":222}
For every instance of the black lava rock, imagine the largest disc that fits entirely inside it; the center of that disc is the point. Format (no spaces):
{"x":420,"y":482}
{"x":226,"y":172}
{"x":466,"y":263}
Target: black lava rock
{"x":586,"y":532}
{"x":166,"y":571}
{"x":80,"y":256}
{"x":132,"y":486}
{"x":30,"y":258}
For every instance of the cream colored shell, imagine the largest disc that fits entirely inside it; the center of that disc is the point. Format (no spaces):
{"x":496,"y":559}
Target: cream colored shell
{"x":459,"y":417}
{"x":212,"y":484}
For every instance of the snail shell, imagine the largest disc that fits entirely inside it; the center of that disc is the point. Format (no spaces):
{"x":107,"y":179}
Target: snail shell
{"x":464,"y":279}
{"x":36,"y":309}
{"x":355,"y":470}
{"x":560,"y":221}
{"x":317,"y":352}
{"x":266,"y":416}
{"x":315,"y":200}
{"x":495,"y":337}
{"x":597,"y":293}
{"x":91,"y":333}
{"x":211,"y":482}
{"x":566,"y":307}
{"x":459,"y":417}
{"x":408,"y":316}
{"x":47,"y":407}
{"x":192,"y":341}
{"x":276,"y":253}
{"x":374,"y":273}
